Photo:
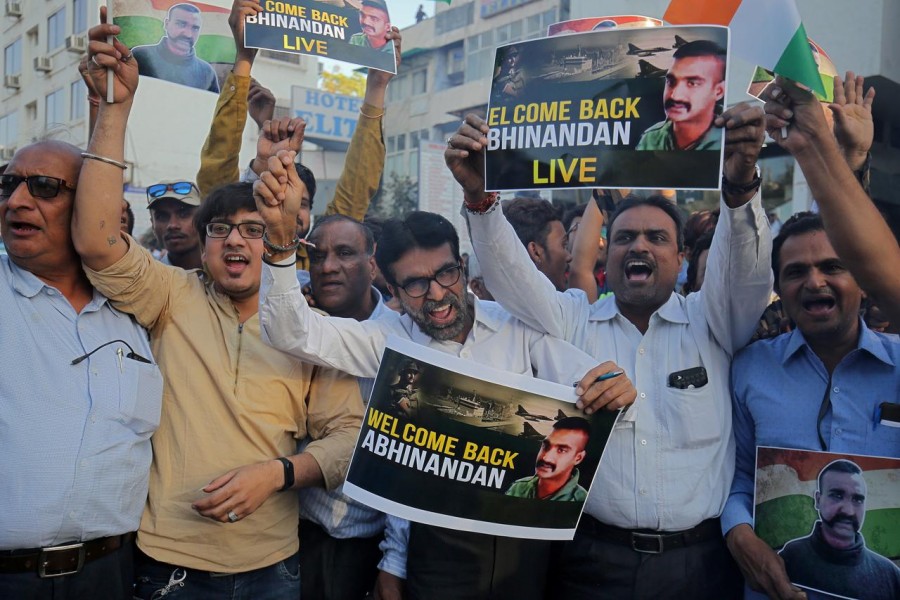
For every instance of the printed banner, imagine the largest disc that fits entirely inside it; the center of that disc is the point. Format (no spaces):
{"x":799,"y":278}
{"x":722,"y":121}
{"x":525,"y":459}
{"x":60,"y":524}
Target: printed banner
{"x":346,"y":30}
{"x":619,"y":108}
{"x":452,"y":443}
{"x":186,"y":43}
{"x":834,"y":519}
{"x":328,"y":116}
{"x":601,"y":23}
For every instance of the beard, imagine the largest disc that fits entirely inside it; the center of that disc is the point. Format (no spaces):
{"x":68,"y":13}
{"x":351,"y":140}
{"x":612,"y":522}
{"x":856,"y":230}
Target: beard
{"x":440,"y":332}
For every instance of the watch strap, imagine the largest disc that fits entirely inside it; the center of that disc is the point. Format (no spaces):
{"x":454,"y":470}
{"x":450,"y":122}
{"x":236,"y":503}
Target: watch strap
{"x":288,"y":473}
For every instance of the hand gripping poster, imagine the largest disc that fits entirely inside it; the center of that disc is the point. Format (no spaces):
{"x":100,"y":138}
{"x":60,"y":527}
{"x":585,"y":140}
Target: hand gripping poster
{"x":453,"y":443}
{"x":611,"y":108}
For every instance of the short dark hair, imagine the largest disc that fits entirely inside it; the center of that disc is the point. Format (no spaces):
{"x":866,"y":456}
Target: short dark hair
{"x":419,"y":229}
{"x":185,"y":6}
{"x":698,"y":223}
{"x":704,"y":243}
{"x":657,"y":201}
{"x":308,"y":179}
{"x":223,"y":201}
{"x":369,"y":239}
{"x":575,"y":424}
{"x":798,"y":224}
{"x":375,"y":225}
{"x":841,"y":465}
{"x":571,"y":214}
{"x":130,"y":214}
{"x":702,"y":48}
{"x":531,"y":219}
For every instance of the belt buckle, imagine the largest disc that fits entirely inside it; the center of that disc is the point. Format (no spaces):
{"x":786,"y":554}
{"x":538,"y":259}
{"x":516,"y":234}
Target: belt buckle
{"x":42,"y":560}
{"x":636,"y":538}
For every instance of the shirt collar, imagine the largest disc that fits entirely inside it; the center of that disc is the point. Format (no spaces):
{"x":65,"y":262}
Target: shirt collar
{"x":868,"y":341}
{"x":673,"y":310}
{"x":28,"y":285}
{"x":484,"y":315}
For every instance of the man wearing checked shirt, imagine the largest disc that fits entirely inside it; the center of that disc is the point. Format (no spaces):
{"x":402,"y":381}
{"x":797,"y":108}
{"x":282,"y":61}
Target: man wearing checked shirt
{"x":651,"y":527}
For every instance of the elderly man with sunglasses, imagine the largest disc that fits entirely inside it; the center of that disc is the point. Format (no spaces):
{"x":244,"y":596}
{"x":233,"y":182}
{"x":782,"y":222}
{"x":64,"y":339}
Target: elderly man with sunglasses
{"x":220,"y":515}
{"x":172,"y":206}
{"x":79,"y":398}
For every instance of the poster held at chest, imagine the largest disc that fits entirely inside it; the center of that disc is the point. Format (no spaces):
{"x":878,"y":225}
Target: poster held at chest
{"x":452,"y":443}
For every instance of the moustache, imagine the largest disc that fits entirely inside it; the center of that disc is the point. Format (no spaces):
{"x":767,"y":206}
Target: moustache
{"x":542,"y":463}
{"x":844,"y":519}
{"x":673,"y":103}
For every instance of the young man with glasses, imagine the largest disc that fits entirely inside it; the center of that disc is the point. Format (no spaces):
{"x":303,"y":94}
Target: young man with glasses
{"x":172,"y":206}
{"x":420,"y":259}
{"x":78,"y":404}
{"x":233,"y":407}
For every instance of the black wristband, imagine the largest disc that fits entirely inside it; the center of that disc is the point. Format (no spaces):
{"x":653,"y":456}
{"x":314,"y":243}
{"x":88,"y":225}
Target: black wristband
{"x":288,"y":473}
{"x":739,"y":189}
{"x":272,"y":264}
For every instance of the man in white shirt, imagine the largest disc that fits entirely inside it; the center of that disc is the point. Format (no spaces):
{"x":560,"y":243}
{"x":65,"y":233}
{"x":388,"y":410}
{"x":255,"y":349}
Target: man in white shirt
{"x":420,"y":259}
{"x":651,"y":527}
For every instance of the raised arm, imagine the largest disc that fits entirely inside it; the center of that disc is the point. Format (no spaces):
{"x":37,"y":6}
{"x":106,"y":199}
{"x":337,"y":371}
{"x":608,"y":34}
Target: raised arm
{"x":98,"y":200}
{"x":364,"y":162}
{"x":738,"y":279}
{"x":585,"y":251}
{"x":220,"y":155}
{"x":856,"y":229}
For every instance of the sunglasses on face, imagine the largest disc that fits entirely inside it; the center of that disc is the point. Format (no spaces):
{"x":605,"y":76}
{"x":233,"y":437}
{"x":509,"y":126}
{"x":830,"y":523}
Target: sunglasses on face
{"x":181,"y":188}
{"x":39,"y":186}
{"x":248,"y":231}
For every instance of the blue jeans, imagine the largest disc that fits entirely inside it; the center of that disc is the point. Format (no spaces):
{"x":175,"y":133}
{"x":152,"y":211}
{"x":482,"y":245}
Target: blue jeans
{"x":275,"y":582}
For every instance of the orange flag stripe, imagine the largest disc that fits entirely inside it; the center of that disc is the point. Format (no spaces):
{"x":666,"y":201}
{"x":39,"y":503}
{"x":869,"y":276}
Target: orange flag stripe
{"x":714,"y":12}
{"x":207,"y":8}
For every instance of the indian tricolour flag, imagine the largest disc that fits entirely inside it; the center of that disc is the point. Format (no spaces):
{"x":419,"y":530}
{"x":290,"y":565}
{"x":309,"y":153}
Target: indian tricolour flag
{"x":142,"y":24}
{"x":785,"y":496}
{"x":767,"y":33}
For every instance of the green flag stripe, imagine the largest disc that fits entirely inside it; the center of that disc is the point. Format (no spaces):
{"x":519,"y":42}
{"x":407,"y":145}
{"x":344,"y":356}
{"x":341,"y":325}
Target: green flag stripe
{"x":789,"y":517}
{"x":797,"y":62}
{"x":145,"y":31}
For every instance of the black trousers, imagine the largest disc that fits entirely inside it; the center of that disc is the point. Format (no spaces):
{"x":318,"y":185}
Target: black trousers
{"x":443,"y":564}
{"x":336,"y":569}
{"x":588,"y":568}
{"x":110,"y":577}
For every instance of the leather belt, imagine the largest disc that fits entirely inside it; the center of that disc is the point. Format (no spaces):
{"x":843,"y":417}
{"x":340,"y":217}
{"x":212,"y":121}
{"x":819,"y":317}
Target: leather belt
{"x":64,"y":559}
{"x":649,"y":541}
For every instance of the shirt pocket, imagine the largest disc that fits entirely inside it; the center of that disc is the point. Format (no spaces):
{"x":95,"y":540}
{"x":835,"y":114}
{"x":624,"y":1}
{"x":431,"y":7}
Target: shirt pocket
{"x":694,"y":417}
{"x":140,"y":396}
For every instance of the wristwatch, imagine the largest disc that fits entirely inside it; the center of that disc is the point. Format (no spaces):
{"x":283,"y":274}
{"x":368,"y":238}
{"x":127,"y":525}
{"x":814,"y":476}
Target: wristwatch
{"x":739,"y":189}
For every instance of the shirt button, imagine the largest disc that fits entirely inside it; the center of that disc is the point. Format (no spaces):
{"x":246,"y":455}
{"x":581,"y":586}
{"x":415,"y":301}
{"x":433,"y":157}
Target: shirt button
{"x":465,"y":354}
{"x":836,"y":390}
{"x":83,"y":463}
{"x":640,"y":351}
{"x":643,"y":395}
{"x":643,"y":442}
{"x":72,"y":514}
{"x":838,"y":431}
{"x":643,"y":492}
{"x":232,"y":88}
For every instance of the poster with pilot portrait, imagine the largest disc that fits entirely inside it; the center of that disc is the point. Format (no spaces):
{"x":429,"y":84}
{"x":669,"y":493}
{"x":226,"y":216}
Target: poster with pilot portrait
{"x":833,"y":518}
{"x":183,"y":42}
{"x":616,"y":107}
{"x":347,"y":30}
{"x":453,"y":443}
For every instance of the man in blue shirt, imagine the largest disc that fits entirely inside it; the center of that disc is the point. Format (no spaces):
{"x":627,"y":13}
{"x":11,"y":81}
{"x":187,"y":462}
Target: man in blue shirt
{"x":817,"y":388}
{"x":79,"y":399}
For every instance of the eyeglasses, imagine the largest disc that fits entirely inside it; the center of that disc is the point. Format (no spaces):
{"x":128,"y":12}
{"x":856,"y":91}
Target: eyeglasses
{"x":248,"y":231}
{"x":181,"y":188}
{"x":418,"y":287}
{"x":39,"y":186}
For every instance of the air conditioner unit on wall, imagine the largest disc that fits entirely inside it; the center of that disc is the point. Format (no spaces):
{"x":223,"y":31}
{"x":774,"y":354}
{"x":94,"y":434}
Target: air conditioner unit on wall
{"x":43,"y":63}
{"x":7,"y":153}
{"x":13,"y":9}
{"x":76,"y":43}
{"x":11,"y":81}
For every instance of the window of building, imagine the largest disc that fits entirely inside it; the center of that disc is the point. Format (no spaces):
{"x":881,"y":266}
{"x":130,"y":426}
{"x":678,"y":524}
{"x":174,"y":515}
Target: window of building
{"x":390,"y":145}
{"x":12,"y":58}
{"x":79,"y":16}
{"x":419,"y":82}
{"x":456,"y":17}
{"x":56,"y":29}
{"x":9,"y":129}
{"x":288,"y":57}
{"x":401,"y":142}
{"x":55,"y":108}
{"x":77,"y":100}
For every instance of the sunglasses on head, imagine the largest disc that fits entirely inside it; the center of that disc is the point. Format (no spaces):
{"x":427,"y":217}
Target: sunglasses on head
{"x":181,"y":188}
{"x":39,"y":186}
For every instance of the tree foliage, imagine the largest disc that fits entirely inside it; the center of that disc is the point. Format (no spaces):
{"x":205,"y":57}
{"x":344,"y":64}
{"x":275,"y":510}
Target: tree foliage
{"x":336,"y":82}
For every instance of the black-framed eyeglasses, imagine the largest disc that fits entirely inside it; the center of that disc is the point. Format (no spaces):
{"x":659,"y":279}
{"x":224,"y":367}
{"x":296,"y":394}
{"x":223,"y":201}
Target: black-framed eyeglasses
{"x":418,"y":287}
{"x":248,"y":231}
{"x":182,"y":188}
{"x":39,"y":186}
